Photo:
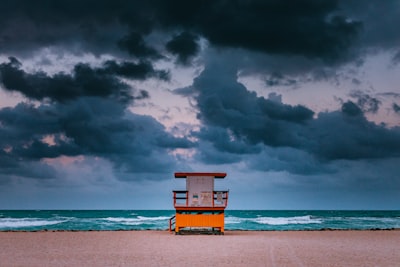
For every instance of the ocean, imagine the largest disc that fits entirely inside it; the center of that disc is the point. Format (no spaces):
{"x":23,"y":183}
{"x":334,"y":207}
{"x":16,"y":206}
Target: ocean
{"x":262,"y":220}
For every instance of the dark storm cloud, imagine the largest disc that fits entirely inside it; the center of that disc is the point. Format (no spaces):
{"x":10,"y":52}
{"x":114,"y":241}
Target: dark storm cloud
{"x":312,"y":28}
{"x":89,"y":126}
{"x":366,"y":102}
{"x":21,"y":131}
{"x":346,"y":134}
{"x":138,"y":71}
{"x":185,"y":46}
{"x":278,"y":79}
{"x":136,"y":45}
{"x":225,"y":141}
{"x":88,"y":112}
{"x":396,"y":108}
{"x":224,"y":102}
{"x":26,"y":26}
{"x":267,"y":26}
{"x":9,"y":167}
{"x":351,"y":109}
{"x":375,"y":32}
{"x":287,"y":159}
{"x":84,"y":80}
{"x":87,"y":116}
{"x":396,"y":59}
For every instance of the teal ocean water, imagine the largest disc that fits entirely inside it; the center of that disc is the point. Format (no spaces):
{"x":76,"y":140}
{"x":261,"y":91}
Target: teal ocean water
{"x":37,"y":220}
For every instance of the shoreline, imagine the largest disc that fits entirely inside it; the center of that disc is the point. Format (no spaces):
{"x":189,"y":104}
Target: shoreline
{"x":226,"y":230}
{"x":235,"y":248}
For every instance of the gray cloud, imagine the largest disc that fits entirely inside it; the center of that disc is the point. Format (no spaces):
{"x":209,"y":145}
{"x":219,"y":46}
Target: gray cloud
{"x":224,"y":103}
{"x":84,"y":80}
{"x":86,"y":112}
{"x":309,"y":39}
{"x":226,"y":141}
{"x":313,"y":29}
{"x":396,"y":108}
{"x":135,"y":44}
{"x":287,"y":159}
{"x":375,"y":32}
{"x":185,"y":46}
{"x":313,"y":39}
{"x":396,"y":58}
{"x":366,"y":102}
{"x":347,"y":134}
{"x":232,"y":24}
{"x":277,"y":79}
{"x":88,"y":126}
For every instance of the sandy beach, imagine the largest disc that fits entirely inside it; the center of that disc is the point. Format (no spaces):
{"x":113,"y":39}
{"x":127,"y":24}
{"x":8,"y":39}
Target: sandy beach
{"x":235,"y":248}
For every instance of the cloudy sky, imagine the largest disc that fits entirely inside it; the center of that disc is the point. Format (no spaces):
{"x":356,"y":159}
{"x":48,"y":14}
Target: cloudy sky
{"x":102,"y":101}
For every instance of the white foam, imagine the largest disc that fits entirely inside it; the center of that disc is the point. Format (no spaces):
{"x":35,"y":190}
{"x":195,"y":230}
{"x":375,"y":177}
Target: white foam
{"x":159,"y":218}
{"x":26,"y":222}
{"x":136,"y":221}
{"x":287,"y":220}
{"x":274,"y":220}
{"x":234,"y":220}
{"x":378,"y":219}
{"x":126,"y":221}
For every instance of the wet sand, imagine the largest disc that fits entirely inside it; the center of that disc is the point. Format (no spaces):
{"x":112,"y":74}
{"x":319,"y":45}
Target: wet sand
{"x":235,"y":248}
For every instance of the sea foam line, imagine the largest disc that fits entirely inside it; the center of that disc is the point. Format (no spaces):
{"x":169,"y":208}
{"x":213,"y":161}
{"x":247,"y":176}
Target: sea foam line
{"x":288,"y":220}
{"x":308,"y":219}
{"x":26,"y":222}
{"x":136,"y":221}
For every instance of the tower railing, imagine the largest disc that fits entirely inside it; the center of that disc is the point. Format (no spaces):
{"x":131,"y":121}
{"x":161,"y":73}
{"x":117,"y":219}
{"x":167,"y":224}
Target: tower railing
{"x":172,"y":222}
{"x":219,"y":199}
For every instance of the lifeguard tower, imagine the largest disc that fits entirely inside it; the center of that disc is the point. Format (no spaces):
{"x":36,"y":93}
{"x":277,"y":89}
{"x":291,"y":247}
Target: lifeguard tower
{"x":199,"y":207}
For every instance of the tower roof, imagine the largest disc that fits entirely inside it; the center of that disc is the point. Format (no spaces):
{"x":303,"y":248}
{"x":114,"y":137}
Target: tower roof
{"x":186,"y":174}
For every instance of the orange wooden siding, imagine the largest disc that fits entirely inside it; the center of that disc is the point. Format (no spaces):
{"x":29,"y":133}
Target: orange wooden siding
{"x":199,"y":220}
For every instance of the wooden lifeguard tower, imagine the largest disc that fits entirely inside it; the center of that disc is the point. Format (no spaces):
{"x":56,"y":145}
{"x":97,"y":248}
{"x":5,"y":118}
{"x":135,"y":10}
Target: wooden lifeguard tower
{"x":199,"y":206}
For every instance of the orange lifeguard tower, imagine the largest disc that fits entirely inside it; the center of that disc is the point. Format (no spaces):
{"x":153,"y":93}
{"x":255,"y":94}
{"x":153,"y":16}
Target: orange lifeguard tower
{"x":199,"y":206}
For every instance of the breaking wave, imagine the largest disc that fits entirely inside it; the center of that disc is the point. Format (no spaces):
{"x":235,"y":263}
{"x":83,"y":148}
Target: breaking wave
{"x":159,"y":220}
{"x":308,"y":219}
{"x":9,"y":223}
{"x":136,"y":221}
{"x":287,"y":220}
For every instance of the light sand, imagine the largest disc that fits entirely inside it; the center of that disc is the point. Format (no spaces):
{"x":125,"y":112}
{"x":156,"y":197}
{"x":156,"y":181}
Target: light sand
{"x":235,"y":248}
